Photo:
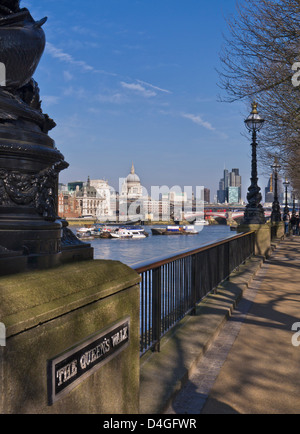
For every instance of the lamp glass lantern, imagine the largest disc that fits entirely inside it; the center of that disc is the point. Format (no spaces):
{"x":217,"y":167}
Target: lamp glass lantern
{"x":276,"y":166}
{"x":286,"y":184}
{"x":254,"y":213}
{"x":254,"y":121}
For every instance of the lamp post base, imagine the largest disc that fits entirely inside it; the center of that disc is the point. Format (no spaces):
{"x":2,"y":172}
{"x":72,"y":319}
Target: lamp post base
{"x":31,"y":234}
{"x":262,"y":237}
{"x":254,"y":216}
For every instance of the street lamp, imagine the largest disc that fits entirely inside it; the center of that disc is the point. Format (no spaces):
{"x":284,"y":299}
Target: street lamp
{"x":276,"y":213}
{"x":294,"y":203}
{"x":286,"y":184}
{"x":254,"y":213}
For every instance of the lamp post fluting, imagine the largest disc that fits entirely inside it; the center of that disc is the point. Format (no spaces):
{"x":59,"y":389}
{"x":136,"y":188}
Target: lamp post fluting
{"x":276,"y":213}
{"x":294,"y":203}
{"x":286,"y":208}
{"x":254,"y":213}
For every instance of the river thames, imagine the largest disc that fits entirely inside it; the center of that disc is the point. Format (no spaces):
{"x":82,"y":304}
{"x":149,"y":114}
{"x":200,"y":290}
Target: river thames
{"x":133,"y":252}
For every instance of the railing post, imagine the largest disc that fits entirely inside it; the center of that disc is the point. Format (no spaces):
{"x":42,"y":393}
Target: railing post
{"x":194,"y":284}
{"x":227,"y":260}
{"x":156,"y":309}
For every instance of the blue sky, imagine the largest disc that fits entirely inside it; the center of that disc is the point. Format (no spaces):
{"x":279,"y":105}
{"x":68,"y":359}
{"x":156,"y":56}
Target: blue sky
{"x":136,"y":80}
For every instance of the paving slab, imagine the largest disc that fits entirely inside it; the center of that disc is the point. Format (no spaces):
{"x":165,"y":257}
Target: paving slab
{"x":252,"y":367}
{"x":163,"y":374}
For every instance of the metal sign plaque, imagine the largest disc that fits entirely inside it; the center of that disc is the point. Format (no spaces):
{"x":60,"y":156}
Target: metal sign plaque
{"x":69,"y":369}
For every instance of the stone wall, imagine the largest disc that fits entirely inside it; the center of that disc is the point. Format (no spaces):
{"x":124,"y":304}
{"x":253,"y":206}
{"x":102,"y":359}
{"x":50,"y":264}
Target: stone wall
{"x":46,"y":314}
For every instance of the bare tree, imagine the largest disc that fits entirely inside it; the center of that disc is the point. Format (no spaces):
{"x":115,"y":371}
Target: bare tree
{"x":257,"y":59}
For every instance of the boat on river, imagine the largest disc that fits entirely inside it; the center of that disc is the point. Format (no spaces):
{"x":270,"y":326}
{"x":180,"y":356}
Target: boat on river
{"x":175,"y":230}
{"x":107,"y":230}
{"x":91,"y":232}
{"x":86,"y":233}
{"x":201,"y":222}
{"x":129,"y":233}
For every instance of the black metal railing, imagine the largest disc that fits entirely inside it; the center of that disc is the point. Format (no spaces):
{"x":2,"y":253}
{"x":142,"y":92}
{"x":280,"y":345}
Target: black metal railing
{"x":172,"y":287}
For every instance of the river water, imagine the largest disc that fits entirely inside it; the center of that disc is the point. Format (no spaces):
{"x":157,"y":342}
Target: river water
{"x":153,"y":248}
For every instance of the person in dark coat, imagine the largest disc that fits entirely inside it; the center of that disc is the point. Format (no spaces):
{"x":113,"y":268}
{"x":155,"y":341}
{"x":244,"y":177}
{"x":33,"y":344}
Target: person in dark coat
{"x":294,"y":223}
{"x":286,"y":219}
{"x":297,"y":224}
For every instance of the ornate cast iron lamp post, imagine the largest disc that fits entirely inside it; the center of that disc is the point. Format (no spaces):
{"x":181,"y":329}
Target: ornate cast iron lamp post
{"x":254,"y":213}
{"x":30,"y":229}
{"x":294,"y":203}
{"x":286,"y":185}
{"x":276,"y":213}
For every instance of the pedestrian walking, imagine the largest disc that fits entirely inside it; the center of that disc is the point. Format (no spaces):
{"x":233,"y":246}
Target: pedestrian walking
{"x":297,"y":224}
{"x":286,"y":219}
{"x":294,"y":223}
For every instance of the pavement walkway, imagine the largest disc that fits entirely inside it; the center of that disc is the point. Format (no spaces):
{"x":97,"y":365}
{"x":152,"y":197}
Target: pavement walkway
{"x":252,"y":367}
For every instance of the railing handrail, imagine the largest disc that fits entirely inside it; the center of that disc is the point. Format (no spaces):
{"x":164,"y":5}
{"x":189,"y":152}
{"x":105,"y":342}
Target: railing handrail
{"x":173,"y":287}
{"x":141,"y":268}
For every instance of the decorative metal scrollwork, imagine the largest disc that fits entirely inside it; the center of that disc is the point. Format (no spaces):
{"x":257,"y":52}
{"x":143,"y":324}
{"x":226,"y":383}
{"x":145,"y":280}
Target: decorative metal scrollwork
{"x":36,"y":191}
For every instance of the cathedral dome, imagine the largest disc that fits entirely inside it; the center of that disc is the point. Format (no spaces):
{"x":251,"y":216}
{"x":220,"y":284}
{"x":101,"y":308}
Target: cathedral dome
{"x":132,"y":188}
{"x":133,"y":177}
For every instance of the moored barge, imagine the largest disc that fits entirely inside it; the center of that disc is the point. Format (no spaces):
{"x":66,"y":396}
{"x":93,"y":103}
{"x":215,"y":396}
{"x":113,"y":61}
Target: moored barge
{"x":175,"y":230}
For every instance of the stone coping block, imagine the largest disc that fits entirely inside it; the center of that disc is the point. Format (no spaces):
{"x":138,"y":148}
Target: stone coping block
{"x":30,"y":299}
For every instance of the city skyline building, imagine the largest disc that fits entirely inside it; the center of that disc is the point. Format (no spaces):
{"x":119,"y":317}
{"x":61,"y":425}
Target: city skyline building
{"x":96,"y":199}
{"x":233,"y":195}
{"x":230,"y":187}
{"x":270,"y":189}
{"x":206,"y":195}
{"x":74,"y":185}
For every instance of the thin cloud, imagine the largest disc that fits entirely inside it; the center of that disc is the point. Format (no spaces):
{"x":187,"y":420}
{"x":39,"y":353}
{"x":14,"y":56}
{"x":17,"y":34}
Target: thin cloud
{"x":58,"y":53}
{"x":140,"y":86}
{"x":115,"y":98}
{"x":197,"y":119}
{"x":50,"y":100}
{"x":68,"y":76}
{"x":154,"y":87}
{"x":139,"y":89}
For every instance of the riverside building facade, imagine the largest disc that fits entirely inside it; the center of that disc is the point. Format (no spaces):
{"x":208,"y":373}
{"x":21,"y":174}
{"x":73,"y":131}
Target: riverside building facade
{"x":97,"y":200}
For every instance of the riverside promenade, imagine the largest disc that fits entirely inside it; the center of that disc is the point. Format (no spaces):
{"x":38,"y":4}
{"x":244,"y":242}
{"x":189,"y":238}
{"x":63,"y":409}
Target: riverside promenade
{"x":252,"y":366}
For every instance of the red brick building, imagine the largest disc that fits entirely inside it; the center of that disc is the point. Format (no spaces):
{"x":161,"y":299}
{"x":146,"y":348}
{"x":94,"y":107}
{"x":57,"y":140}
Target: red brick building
{"x":69,"y":206}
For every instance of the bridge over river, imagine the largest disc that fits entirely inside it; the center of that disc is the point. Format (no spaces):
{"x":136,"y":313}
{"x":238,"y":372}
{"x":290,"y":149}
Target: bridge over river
{"x":222,"y":215}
